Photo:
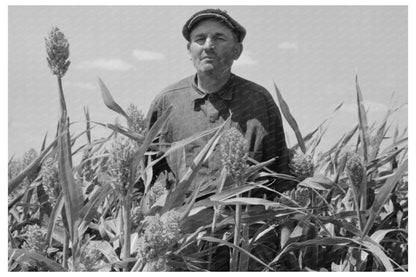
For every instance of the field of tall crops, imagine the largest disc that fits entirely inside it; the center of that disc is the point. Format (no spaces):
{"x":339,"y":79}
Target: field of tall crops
{"x":109,"y":212}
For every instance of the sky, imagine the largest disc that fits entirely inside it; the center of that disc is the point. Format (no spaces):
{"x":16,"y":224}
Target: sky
{"x":311,"y":53}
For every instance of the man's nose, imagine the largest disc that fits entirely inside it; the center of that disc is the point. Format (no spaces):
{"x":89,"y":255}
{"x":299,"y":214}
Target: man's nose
{"x":209,"y":44}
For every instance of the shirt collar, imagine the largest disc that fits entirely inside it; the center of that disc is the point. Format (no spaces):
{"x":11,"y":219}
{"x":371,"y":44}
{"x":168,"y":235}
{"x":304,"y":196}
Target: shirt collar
{"x":226,"y":92}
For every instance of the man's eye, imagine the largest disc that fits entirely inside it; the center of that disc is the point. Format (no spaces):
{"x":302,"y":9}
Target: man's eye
{"x":219,"y":38}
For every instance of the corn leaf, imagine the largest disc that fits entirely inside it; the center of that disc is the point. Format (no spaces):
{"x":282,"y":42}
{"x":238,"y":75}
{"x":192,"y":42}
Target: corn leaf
{"x":220,"y":241}
{"x":23,"y":256}
{"x":180,"y":144}
{"x":109,"y":101}
{"x":44,"y":142}
{"x":396,"y":134}
{"x":54,"y":216}
{"x":13,"y":183}
{"x":88,"y":124}
{"x":197,"y":218}
{"x":376,"y":250}
{"x":226,"y":194}
{"x":262,"y":231}
{"x":338,"y":146}
{"x":345,"y":140}
{"x":100,"y":143}
{"x":177,"y":195}
{"x":395,"y":145}
{"x":150,"y":136}
{"x":244,"y":259}
{"x":375,"y":164}
{"x":127,"y":132}
{"x":341,"y":167}
{"x":87,"y":211}
{"x":72,"y":191}
{"x":404,"y":155}
{"x":380,"y":135}
{"x":45,"y":206}
{"x":257,"y":167}
{"x":318,"y":182}
{"x":177,"y":161}
{"x":362,"y":116}
{"x":26,"y":202}
{"x":316,"y":141}
{"x":214,"y":199}
{"x":122,"y":130}
{"x":258,"y":214}
{"x":379,"y":235}
{"x":310,"y":135}
{"x":250,"y":201}
{"x":188,"y":206}
{"x":290,"y":119}
{"x":340,"y":222}
{"x":383,"y":195}
{"x":15,"y":200}
{"x":339,"y":241}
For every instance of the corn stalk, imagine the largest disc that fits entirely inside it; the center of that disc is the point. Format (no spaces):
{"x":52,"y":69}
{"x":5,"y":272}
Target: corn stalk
{"x":58,"y":52}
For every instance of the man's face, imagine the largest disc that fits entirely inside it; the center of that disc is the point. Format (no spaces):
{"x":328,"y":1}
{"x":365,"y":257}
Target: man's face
{"x":213,"y":47}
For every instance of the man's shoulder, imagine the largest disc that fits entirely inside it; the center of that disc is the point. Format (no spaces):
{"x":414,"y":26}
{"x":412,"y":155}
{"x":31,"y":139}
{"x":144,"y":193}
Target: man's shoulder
{"x":250,"y":87}
{"x":176,"y":91}
{"x":183,"y":84}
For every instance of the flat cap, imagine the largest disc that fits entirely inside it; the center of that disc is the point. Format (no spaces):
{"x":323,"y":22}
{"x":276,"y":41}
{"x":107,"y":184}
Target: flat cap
{"x":218,"y":14}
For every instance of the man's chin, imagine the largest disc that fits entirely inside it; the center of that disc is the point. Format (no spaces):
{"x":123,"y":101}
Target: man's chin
{"x":206,"y":68}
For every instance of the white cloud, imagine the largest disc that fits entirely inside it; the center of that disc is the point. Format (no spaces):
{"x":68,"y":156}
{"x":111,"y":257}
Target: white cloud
{"x":143,"y":55}
{"x":246,"y":59}
{"x":288,"y":45}
{"x":107,"y":64}
{"x":374,"y":106}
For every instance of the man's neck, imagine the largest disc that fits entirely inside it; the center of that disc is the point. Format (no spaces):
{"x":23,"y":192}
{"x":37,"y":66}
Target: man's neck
{"x":211,"y":83}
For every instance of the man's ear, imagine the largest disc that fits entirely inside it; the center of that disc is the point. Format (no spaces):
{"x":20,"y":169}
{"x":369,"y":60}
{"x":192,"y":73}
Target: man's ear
{"x":188,"y":47}
{"x":238,"y":49}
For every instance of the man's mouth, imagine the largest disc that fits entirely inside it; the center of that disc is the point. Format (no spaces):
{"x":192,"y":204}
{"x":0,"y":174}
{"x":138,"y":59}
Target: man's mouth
{"x":208,"y":58}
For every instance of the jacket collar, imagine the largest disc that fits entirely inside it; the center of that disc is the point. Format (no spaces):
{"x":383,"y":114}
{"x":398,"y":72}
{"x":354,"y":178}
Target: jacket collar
{"x":225,"y":93}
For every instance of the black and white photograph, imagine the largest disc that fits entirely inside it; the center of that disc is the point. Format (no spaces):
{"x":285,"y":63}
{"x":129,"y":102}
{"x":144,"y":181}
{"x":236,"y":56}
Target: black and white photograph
{"x":233,"y":138}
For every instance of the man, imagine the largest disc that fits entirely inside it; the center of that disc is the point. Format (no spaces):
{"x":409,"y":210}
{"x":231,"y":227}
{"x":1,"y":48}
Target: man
{"x":205,"y":100}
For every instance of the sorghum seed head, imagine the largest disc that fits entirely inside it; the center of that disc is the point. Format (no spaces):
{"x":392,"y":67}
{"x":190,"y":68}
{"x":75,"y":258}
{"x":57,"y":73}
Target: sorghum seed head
{"x":137,"y":217}
{"x":156,"y":191}
{"x":160,"y":235}
{"x":121,"y":157}
{"x":28,"y":158}
{"x":355,"y":168}
{"x":300,"y":195}
{"x":36,"y":239}
{"x":14,"y":168}
{"x":137,"y":121}
{"x":91,"y":260}
{"x":57,"y":48}
{"x":301,"y":166}
{"x":221,"y":212}
{"x":91,"y":256}
{"x":158,"y":265}
{"x":234,"y":153}
{"x":50,"y":178}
